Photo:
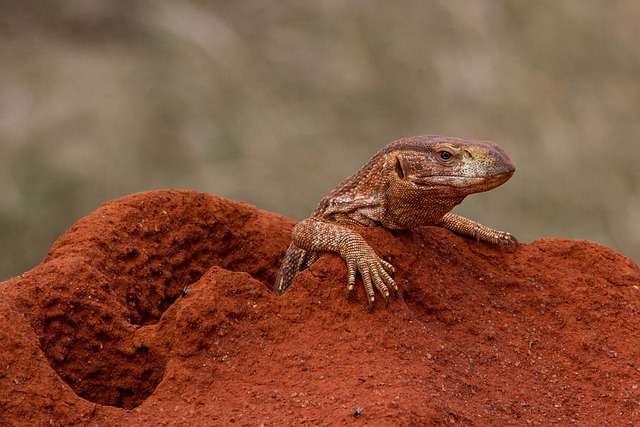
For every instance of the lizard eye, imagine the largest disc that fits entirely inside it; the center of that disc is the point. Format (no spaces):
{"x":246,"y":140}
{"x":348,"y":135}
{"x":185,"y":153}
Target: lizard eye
{"x":444,"y":155}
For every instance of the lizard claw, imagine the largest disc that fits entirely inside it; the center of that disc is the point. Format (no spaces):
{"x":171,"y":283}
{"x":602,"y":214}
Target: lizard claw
{"x":503,"y":239}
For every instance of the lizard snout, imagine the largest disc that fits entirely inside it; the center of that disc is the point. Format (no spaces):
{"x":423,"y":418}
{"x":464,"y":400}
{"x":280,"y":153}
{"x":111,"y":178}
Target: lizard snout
{"x":487,"y":159}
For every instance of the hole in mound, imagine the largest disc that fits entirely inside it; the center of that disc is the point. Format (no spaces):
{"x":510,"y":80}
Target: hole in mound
{"x":90,"y":345}
{"x":91,"y":319}
{"x":102,"y":374}
{"x":135,"y":262}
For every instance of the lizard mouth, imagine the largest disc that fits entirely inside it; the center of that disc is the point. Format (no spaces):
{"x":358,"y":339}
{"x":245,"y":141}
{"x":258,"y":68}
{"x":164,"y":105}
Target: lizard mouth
{"x":485,"y":182}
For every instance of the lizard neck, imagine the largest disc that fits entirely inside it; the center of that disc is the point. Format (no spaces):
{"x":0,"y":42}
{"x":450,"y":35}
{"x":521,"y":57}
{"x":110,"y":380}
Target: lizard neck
{"x":416,"y":208}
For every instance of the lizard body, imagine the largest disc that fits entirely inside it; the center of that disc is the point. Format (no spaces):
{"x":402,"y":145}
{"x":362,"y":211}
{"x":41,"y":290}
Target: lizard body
{"x":409,"y":183}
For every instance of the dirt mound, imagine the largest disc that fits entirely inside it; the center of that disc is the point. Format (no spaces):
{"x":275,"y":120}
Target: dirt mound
{"x":156,"y":309}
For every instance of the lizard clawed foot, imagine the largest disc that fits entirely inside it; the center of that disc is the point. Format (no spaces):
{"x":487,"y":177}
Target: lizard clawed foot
{"x":497,"y":237}
{"x":461,"y":225}
{"x":508,"y":240}
{"x":375,"y":272}
{"x":502,"y":239}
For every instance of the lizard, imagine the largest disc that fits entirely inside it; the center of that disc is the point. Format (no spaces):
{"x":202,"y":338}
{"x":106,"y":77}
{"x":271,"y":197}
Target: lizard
{"x":409,"y":183}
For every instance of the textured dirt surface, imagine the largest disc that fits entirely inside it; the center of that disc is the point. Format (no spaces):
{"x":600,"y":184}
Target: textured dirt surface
{"x":103,"y":331}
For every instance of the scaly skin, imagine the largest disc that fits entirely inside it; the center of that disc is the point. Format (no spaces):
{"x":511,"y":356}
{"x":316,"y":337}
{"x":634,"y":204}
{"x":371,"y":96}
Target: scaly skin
{"x":409,"y":183}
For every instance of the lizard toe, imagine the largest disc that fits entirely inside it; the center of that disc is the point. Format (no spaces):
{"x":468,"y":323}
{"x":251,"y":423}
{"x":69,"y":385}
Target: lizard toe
{"x":379,"y":283}
{"x":506,"y":240}
{"x":388,"y":280}
{"x":353,"y":270}
{"x":368,"y":286}
{"x":387,"y":267}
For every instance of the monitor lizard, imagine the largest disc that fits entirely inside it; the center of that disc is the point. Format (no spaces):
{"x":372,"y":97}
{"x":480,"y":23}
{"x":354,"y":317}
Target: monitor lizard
{"x":409,"y":183}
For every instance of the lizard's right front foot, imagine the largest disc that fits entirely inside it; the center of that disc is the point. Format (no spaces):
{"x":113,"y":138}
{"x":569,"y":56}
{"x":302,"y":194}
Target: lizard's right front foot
{"x":374,"y":271}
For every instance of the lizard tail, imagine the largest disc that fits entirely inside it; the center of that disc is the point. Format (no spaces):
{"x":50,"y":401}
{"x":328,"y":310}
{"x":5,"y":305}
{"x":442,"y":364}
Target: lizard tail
{"x":295,"y":260}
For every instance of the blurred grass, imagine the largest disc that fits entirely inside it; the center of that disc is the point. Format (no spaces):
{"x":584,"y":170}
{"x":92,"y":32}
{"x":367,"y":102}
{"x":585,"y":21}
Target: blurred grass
{"x":274,"y":103}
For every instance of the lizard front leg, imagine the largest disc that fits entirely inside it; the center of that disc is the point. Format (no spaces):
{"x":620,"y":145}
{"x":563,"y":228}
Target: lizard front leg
{"x":314,"y":235}
{"x":461,"y":225}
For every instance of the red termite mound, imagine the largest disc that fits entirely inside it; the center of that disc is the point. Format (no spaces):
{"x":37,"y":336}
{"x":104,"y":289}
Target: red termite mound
{"x":156,"y":309}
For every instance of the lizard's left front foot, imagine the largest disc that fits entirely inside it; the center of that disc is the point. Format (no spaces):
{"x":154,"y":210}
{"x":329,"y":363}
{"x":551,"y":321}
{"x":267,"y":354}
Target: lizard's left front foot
{"x":461,"y":225}
{"x":501,"y":238}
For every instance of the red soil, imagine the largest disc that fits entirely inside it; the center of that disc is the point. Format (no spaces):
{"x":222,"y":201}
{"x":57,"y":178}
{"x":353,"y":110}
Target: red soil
{"x":100,"y":333}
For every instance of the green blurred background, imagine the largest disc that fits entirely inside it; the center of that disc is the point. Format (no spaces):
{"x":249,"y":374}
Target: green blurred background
{"x":274,"y":103}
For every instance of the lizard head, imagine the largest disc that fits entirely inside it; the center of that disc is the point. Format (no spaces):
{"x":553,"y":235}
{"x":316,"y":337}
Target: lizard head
{"x":461,"y":166}
{"x":415,"y":181}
